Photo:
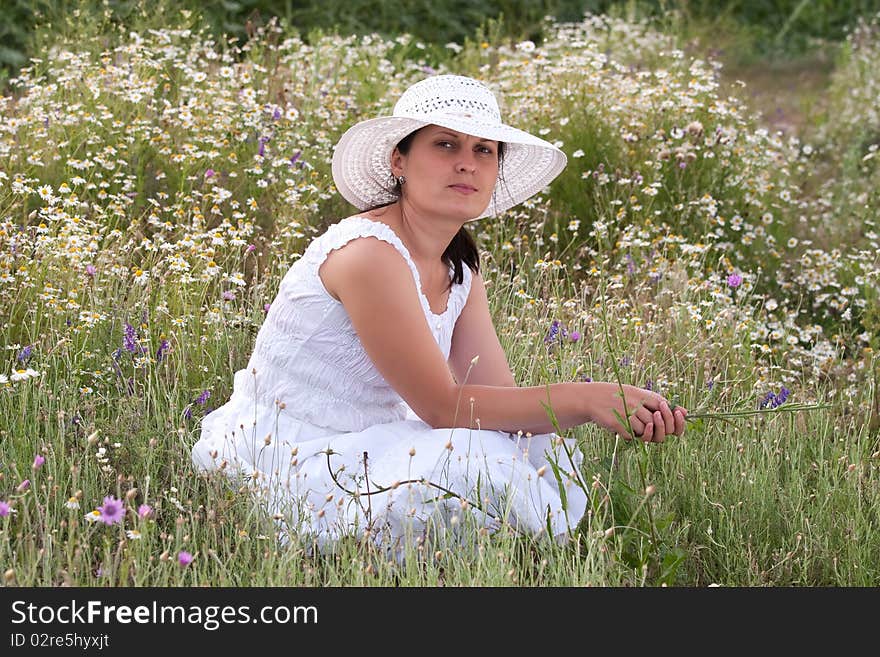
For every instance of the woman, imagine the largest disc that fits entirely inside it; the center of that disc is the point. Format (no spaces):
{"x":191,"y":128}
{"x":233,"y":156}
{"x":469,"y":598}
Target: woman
{"x":378,"y":398}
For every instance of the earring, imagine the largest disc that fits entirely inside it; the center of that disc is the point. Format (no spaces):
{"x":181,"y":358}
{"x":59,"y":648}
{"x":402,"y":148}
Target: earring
{"x":401,"y":180}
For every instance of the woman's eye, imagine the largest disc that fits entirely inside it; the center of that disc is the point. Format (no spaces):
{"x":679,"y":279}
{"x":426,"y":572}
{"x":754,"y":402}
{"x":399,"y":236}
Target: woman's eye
{"x":444,"y":144}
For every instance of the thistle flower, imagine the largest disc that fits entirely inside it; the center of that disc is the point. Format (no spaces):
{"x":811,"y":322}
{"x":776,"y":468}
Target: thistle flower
{"x":184,"y":558}
{"x":734,"y":281}
{"x":5,"y":509}
{"x":145,"y":511}
{"x":39,"y":460}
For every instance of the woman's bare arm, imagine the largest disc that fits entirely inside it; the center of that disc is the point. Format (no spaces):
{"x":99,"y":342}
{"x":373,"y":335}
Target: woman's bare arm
{"x":375,"y":285}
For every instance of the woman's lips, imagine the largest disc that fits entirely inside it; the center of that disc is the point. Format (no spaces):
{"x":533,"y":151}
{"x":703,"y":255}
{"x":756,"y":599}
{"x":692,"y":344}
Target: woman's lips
{"x":464,"y":189}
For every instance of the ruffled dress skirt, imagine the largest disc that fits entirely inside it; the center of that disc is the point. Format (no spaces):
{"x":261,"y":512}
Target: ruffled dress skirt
{"x":398,"y":482}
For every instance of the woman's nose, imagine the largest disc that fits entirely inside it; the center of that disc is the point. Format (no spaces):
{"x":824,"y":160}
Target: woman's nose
{"x":467,"y":163}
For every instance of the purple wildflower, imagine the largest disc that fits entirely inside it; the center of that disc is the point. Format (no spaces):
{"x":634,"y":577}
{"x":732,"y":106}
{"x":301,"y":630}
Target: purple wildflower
{"x":262,"y":149}
{"x":91,"y":270}
{"x":184,"y":558}
{"x":229,"y":295}
{"x":710,"y":384}
{"x":768,"y":400}
{"x":585,"y":378}
{"x":649,"y":385}
{"x":575,"y":336}
{"x":250,"y":248}
{"x":276,"y":114}
{"x":781,"y":397}
{"x":129,"y":340}
{"x":734,"y":280}
{"x":209,"y":173}
{"x":266,"y":306}
{"x":202,"y":398}
{"x":5,"y":509}
{"x":145,"y":511}
{"x":556,"y":329}
{"x":39,"y":460}
{"x":160,"y":352}
{"x":295,"y":157}
{"x":25,"y":353}
{"x":23,"y":486}
{"x":625,"y":361}
{"x":630,"y":266}
{"x":188,"y":412}
{"x":112,"y":511}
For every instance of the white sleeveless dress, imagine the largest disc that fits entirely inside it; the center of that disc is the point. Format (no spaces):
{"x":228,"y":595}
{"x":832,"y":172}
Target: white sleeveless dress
{"x":313,"y":427}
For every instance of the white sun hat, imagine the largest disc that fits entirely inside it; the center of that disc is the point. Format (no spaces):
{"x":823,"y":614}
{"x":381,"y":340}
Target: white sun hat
{"x":362,"y":158}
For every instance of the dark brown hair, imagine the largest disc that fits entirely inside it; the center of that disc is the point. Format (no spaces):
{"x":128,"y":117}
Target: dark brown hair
{"x":462,"y":249}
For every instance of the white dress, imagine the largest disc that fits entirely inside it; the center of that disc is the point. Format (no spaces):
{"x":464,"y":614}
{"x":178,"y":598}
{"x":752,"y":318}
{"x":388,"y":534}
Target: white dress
{"x":310,"y":402}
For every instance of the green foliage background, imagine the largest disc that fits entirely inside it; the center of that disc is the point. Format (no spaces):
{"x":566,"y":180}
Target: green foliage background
{"x":762,"y":26}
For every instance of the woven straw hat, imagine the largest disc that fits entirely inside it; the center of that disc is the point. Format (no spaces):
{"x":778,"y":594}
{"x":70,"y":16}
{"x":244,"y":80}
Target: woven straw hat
{"x":362,"y":158}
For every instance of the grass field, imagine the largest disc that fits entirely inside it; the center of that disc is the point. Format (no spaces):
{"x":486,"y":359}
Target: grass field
{"x":156,"y":185}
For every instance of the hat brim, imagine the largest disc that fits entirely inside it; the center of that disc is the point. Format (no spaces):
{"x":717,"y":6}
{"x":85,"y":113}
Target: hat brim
{"x":361,"y":163}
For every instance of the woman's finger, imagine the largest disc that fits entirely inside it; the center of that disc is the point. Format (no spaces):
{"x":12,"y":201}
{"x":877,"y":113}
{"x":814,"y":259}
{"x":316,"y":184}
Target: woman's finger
{"x":648,"y":434}
{"x":679,"y":422}
{"x":637,"y":425}
{"x":644,"y":415}
{"x":659,"y":423}
{"x":668,"y":420}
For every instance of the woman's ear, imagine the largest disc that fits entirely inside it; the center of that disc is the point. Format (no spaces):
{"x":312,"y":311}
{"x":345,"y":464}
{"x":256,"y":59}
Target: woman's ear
{"x":396,"y":163}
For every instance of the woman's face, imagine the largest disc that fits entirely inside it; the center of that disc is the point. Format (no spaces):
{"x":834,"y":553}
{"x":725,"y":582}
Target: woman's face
{"x":448,"y":172}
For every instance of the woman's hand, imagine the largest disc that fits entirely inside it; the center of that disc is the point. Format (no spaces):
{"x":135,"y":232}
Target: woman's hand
{"x":649,"y":413}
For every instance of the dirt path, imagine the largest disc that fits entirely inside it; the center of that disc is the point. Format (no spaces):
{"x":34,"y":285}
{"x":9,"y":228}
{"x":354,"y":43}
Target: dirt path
{"x":788,"y":94}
